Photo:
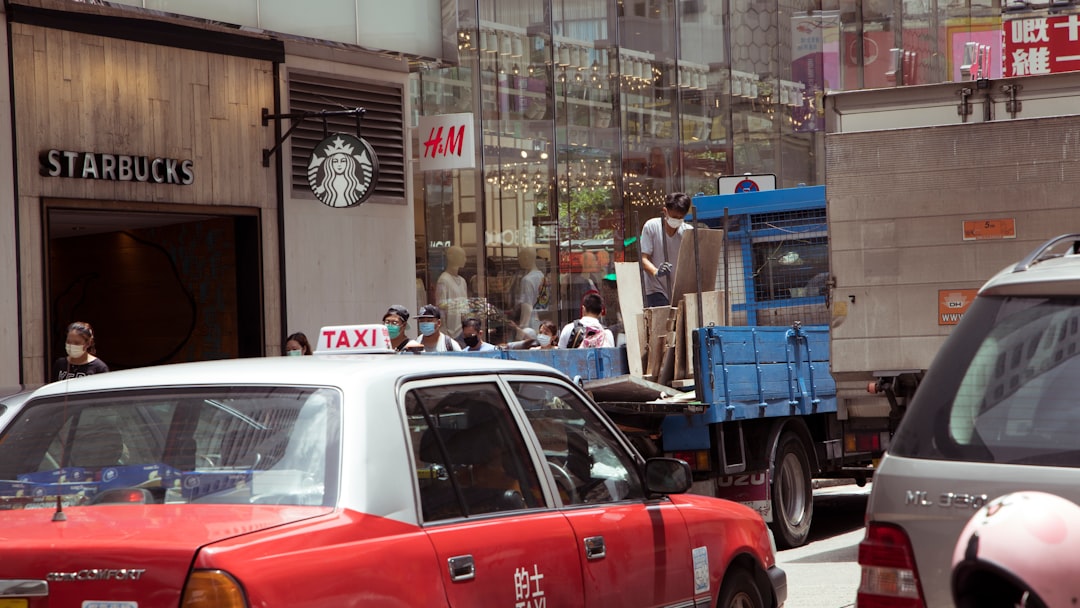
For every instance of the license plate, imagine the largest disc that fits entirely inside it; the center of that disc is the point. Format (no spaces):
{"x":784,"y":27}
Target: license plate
{"x":14,"y":603}
{"x":99,"y":604}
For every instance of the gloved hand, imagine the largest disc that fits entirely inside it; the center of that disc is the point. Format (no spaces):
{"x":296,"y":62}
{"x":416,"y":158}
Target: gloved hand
{"x":664,"y":269}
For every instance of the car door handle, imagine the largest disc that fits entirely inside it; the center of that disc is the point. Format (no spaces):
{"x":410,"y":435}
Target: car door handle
{"x":462,"y":568}
{"x":595,"y":547}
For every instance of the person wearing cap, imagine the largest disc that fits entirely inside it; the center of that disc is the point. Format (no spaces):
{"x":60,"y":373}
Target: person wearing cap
{"x":396,"y":321}
{"x":429,"y":322}
{"x":472,"y":337}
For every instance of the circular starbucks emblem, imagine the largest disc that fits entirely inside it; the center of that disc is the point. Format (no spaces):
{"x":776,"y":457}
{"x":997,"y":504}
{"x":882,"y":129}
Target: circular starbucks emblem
{"x":343,"y":170}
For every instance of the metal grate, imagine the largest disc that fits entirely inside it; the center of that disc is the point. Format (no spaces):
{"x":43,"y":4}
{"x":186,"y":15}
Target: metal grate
{"x":778,"y":270}
{"x":383,"y":125}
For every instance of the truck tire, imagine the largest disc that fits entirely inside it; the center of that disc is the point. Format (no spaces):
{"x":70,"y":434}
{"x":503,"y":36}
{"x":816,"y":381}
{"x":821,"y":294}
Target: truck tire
{"x":792,"y":493}
{"x":740,"y":591}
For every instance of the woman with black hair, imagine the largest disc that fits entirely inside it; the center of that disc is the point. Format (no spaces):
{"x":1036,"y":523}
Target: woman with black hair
{"x":80,"y":359}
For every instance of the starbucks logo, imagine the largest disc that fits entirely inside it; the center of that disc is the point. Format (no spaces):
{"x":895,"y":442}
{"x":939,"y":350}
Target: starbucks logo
{"x":343,"y":170}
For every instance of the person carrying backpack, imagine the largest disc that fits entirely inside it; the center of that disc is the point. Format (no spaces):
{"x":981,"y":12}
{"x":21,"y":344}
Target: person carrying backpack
{"x":588,"y":331}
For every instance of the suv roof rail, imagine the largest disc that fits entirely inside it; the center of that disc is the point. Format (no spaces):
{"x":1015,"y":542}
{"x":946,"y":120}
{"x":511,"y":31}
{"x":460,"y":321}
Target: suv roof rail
{"x":1039,"y":254}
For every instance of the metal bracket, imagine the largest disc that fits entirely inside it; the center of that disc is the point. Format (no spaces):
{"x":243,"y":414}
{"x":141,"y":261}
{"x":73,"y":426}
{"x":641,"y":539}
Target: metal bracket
{"x":298,"y":118}
{"x":1014,"y":105}
{"x":964,"y":109}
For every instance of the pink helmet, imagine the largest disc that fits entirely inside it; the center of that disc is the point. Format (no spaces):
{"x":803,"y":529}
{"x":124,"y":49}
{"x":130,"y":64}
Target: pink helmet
{"x":1021,"y":549}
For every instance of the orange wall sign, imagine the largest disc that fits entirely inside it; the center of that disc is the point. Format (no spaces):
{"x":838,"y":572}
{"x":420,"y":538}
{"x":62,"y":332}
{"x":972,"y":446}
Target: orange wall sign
{"x":978,"y":230}
{"x":953,"y":303}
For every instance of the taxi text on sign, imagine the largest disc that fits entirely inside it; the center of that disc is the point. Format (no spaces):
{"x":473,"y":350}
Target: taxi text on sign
{"x":1042,"y":45}
{"x":353,"y":339}
{"x":446,"y":142}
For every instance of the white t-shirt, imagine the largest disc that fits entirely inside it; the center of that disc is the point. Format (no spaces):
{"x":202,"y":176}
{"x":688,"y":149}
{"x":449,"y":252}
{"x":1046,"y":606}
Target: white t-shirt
{"x":652,"y":245}
{"x":452,"y":296}
{"x":530,"y":294}
{"x":564,"y":336}
{"x":441,"y":345}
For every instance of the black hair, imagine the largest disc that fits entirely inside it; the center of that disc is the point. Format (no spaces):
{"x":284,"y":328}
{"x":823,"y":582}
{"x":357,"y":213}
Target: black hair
{"x":678,"y":201}
{"x":592,"y":303}
{"x":472,"y":322}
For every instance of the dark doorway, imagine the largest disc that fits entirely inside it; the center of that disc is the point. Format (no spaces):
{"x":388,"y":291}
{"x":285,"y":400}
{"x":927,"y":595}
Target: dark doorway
{"x":156,"y":287}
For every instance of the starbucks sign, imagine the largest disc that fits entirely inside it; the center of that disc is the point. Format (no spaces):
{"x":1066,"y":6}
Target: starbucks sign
{"x":343,"y":170}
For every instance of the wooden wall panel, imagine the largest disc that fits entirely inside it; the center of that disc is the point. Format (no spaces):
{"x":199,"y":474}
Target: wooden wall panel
{"x":87,"y":93}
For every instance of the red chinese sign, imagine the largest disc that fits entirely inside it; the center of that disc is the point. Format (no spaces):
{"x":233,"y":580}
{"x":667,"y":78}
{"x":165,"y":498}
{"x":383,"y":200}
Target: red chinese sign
{"x":1042,"y":45}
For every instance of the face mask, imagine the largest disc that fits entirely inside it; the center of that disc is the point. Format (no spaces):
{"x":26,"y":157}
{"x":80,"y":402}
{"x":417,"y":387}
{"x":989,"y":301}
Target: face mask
{"x":394,"y":330}
{"x":427,"y":328}
{"x":471,"y":341}
{"x":543,"y":339}
{"x":294,"y":353}
{"x":75,"y":350}
{"x":673,"y":222}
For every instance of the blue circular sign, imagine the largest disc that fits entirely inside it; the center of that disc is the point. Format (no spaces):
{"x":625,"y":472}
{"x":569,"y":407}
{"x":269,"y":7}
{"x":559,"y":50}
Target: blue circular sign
{"x":747,"y":185}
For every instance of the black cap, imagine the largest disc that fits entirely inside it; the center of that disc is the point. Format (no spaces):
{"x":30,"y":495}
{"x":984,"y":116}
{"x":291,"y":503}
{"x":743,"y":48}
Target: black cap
{"x":399,"y":310}
{"x":429,"y":310}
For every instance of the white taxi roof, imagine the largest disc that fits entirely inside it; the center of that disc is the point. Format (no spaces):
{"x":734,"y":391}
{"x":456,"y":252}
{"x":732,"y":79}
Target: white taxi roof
{"x":325,"y":370}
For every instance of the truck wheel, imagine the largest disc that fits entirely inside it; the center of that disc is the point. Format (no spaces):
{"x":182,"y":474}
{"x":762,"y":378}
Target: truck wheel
{"x":792,"y":493}
{"x":739,"y":591}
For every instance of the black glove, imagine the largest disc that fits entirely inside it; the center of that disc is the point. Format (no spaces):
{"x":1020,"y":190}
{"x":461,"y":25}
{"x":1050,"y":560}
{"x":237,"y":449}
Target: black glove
{"x":664,"y":269}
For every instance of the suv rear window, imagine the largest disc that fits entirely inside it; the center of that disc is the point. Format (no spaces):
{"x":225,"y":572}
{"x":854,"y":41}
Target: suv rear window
{"x":1003,"y":388}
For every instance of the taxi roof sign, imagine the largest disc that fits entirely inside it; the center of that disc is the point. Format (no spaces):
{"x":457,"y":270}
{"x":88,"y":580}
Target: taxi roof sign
{"x":353,"y":339}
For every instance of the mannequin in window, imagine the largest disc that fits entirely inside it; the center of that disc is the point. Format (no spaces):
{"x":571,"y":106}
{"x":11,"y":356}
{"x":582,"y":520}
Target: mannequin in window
{"x":535,"y":293}
{"x":451,"y":291}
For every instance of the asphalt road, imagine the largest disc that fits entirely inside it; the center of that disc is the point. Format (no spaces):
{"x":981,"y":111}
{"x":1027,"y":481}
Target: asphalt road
{"x":824,"y":573}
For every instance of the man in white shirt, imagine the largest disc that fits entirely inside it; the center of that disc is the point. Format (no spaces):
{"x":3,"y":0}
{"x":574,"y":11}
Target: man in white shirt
{"x":661,"y":238}
{"x":429,"y":321}
{"x":591,"y":309}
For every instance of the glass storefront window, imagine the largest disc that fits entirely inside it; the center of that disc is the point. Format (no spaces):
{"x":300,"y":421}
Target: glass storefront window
{"x":588,"y":113}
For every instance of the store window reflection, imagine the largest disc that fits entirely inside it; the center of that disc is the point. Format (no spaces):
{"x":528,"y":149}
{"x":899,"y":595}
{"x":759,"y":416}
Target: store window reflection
{"x":588,"y":112}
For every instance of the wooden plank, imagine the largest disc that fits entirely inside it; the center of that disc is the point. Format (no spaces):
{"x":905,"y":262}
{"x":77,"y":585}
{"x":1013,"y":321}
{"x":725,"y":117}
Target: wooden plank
{"x":627,"y":388}
{"x":710,"y":248}
{"x":656,"y":322}
{"x":712,"y":313}
{"x":681,"y":333}
{"x":628,"y":280}
{"x":667,"y":362}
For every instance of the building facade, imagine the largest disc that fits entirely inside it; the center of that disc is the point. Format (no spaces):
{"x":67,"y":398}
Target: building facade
{"x":587,"y":114}
{"x":157,"y":173}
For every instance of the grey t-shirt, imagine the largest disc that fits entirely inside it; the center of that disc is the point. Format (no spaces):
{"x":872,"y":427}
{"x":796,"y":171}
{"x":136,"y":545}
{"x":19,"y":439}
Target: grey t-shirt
{"x":652,"y":245}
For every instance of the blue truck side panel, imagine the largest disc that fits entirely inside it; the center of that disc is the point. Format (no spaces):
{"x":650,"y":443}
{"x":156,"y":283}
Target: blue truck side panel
{"x":589,"y":363}
{"x":755,"y":372}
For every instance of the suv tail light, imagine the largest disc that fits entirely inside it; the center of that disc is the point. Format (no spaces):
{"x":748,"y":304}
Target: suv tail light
{"x":889,"y":576}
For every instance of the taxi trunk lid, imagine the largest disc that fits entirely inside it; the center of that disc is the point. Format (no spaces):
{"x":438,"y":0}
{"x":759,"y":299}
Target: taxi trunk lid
{"x":119,"y":556}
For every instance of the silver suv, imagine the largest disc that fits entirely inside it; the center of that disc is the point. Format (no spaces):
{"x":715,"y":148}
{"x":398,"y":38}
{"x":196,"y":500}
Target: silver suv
{"x":998,"y":411}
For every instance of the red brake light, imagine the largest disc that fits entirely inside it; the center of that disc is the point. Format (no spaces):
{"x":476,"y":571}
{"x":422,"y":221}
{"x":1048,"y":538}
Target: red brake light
{"x":889,"y":577}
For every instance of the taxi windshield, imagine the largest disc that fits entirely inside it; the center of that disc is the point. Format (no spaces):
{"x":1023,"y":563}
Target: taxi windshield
{"x":257,"y":445}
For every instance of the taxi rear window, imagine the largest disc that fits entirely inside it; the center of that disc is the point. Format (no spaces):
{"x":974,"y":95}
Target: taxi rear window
{"x":263,"y":445}
{"x":1002,"y":389}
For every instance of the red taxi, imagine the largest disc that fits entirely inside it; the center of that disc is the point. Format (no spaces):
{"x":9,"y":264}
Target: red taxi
{"x":355,"y":480}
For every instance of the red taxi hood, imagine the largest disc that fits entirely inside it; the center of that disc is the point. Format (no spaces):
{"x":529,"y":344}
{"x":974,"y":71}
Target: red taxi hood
{"x":139,"y":553}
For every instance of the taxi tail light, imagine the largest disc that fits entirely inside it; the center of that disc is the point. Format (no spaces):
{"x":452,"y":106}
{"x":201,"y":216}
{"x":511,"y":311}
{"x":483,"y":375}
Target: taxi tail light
{"x":889,"y":576}
{"x":212,"y":589}
{"x":697,"y":459}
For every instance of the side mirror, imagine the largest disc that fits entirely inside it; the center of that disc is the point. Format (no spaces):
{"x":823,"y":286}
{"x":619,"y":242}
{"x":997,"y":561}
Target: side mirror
{"x":667,"y":476}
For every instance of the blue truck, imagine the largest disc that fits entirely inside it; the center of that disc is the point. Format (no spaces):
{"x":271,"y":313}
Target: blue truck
{"x":760,"y":421}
